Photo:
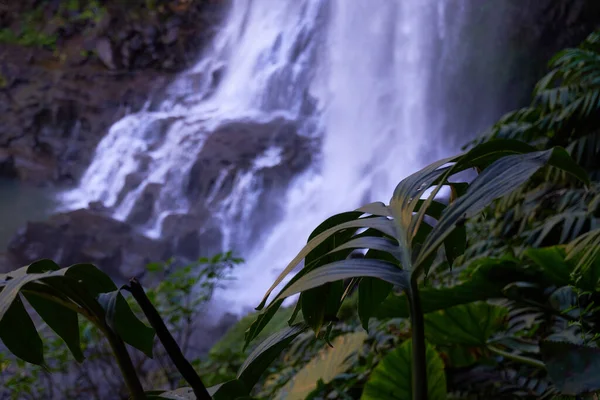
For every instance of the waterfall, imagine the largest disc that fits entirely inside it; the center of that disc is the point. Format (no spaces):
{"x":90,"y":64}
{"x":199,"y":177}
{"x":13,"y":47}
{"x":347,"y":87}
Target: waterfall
{"x":329,"y":103}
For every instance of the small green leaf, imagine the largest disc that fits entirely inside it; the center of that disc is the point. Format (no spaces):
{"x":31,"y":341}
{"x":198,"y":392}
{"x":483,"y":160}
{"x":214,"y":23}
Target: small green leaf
{"x":19,"y":335}
{"x":392,"y":378}
{"x":121,"y":319}
{"x":574,"y":369}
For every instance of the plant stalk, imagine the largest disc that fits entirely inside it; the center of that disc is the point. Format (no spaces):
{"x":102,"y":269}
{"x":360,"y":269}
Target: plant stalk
{"x":419,"y":360}
{"x":125,"y":365}
{"x":524,"y":360}
{"x":181,"y":363}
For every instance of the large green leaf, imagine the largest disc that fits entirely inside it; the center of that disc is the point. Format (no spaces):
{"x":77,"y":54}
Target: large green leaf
{"x":345,"y":269}
{"x":467,"y":324}
{"x":10,"y":290}
{"x":489,"y":277}
{"x":19,"y":335}
{"x":231,"y":390}
{"x":574,"y":369}
{"x":124,"y":322}
{"x":59,"y":318}
{"x":325,"y":366}
{"x":379,"y":223}
{"x":500,"y":178}
{"x":552,"y":261}
{"x":261,"y":321}
{"x":321,"y":304}
{"x":264,"y":354}
{"x":392,"y":378}
{"x":585,"y":253}
{"x":91,"y":277}
{"x":371,"y":293}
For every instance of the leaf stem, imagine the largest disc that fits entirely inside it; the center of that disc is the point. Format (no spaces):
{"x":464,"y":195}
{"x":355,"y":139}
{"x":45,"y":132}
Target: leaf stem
{"x":524,"y":360}
{"x":419,"y":364}
{"x":167,"y":340}
{"x":125,"y":364}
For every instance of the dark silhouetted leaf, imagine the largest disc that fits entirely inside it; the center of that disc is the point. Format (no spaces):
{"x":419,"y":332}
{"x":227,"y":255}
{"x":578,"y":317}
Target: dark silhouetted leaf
{"x":123,"y":321}
{"x":264,"y":354}
{"x":574,"y":369}
{"x":60,"y":319}
{"x":19,"y":335}
{"x":371,"y":293}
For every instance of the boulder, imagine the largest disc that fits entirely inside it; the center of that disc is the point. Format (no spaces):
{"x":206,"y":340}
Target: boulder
{"x":236,"y":146}
{"x":86,"y":236}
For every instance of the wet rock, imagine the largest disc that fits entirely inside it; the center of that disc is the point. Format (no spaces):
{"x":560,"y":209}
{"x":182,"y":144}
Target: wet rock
{"x":60,"y":107}
{"x":235,"y":146}
{"x":86,"y":236}
{"x":105,"y":53}
{"x":193,"y":235}
{"x":143,"y":210}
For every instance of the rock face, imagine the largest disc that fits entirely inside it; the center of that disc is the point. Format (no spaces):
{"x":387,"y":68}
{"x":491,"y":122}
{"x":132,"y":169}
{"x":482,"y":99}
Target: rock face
{"x":83,"y":236}
{"x":61,"y":89}
{"x":272,"y":151}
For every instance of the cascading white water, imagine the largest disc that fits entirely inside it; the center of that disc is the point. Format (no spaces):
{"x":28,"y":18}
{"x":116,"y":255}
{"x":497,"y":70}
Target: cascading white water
{"x":366,"y":77}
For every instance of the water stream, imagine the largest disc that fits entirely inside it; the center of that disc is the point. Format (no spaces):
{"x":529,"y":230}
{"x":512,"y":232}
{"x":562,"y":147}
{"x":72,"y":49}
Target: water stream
{"x":381,"y":87}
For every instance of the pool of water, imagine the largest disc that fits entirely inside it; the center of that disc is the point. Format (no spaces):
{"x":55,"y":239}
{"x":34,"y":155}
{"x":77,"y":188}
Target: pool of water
{"x":20,"y":203}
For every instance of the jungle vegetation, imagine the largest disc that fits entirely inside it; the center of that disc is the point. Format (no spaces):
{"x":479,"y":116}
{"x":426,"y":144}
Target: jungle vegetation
{"x":486,"y":288}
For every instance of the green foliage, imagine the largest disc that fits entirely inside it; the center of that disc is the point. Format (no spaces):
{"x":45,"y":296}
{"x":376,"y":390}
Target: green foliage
{"x":180,"y":295}
{"x":324,"y":367}
{"x":517,"y":316}
{"x":391,"y":380}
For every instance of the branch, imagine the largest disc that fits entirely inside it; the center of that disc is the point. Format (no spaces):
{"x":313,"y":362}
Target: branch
{"x":167,"y":340}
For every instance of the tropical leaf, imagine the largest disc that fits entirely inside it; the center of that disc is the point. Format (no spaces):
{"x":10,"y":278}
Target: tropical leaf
{"x":574,"y":369}
{"x":392,"y":378}
{"x":552,"y":261}
{"x":322,"y":303}
{"x":62,"y":320}
{"x":467,"y":325}
{"x":371,"y":293}
{"x":585,"y":252}
{"x":19,"y":335}
{"x":489,"y":277}
{"x":379,"y":223}
{"x":324,"y":367}
{"x":124,"y":322}
{"x":264,"y":354}
{"x":345,"y":269}
{"x":500,"y":178}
